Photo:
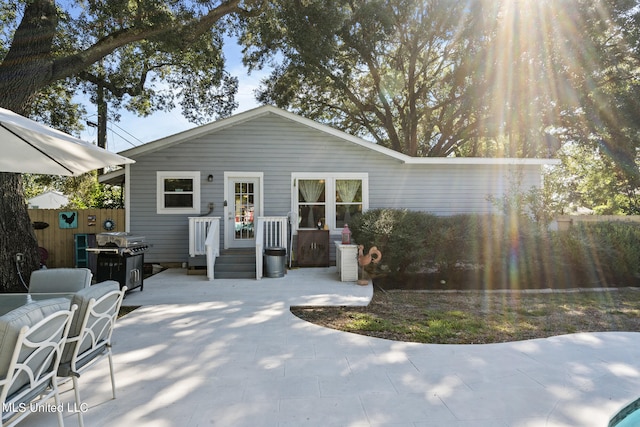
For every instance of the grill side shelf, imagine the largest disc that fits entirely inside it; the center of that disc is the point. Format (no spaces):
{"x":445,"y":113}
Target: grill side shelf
{"x":104,"y":250}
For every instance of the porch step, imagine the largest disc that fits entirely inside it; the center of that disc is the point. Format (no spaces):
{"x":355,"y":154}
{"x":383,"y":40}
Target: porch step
{"x":236,"y":264}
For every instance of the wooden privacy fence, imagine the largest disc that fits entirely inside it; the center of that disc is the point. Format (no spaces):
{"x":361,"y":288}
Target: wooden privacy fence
{"x":566,"y":221}
{"x":63,"y":224}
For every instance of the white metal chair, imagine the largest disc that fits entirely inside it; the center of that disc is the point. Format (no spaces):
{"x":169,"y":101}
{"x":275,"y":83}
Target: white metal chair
{"x":59,"y":280}
{"x":90,"y":335}
{"x":32,"y":339}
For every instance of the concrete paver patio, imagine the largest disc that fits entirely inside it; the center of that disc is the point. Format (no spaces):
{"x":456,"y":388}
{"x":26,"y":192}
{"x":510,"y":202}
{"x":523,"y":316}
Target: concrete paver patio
{"x":230,"y":353}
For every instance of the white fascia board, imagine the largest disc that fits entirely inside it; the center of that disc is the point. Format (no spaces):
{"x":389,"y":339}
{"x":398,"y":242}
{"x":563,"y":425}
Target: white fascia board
{"x":480,"y":161}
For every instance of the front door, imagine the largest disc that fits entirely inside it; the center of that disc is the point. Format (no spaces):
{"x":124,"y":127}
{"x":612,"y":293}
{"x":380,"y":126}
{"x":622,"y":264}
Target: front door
{"x":243,"y":206}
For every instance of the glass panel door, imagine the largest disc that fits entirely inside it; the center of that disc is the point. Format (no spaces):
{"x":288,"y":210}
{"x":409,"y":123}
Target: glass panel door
{"x":243,"y":198}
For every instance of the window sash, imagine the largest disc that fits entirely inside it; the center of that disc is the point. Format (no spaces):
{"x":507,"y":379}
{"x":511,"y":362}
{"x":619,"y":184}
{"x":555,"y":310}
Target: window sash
{"x":178,"y":192}
{"x":178,"y":185}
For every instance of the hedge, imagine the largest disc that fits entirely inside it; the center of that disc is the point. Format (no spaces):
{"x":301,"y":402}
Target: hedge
{"x":510,"y":250}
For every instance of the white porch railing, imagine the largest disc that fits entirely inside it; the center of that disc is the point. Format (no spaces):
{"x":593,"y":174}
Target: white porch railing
{"x":271,"y":231}
{"x":204,"y":239}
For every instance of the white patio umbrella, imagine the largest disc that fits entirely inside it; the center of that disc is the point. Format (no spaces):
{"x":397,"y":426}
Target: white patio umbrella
{"x":30,"y":147}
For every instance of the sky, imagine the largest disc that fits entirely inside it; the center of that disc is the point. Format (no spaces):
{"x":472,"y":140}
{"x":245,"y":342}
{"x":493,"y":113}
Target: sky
{"x":132,"y":130}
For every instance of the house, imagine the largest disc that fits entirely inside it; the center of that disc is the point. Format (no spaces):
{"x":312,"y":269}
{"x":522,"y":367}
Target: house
{"x":48,"y":200}
{"x":267,"y":162}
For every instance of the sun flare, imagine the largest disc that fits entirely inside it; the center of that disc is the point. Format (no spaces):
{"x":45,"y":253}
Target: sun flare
{"x":538,"y":60}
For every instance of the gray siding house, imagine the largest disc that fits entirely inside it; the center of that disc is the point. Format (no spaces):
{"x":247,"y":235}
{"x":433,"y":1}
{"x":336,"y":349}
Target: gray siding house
{"x":269,"y":162}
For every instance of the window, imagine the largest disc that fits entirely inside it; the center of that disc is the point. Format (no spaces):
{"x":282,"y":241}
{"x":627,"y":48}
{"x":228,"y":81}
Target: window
{"x":348,"y":200}
{"x":329,"y":201}
{"x":178,"y":192}
{"x":311,"y":203}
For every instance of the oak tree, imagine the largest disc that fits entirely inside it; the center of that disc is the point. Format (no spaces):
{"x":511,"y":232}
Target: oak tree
{"x":120,"y":47}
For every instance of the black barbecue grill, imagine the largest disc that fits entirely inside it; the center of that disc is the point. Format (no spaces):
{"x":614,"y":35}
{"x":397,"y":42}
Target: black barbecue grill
{"x":120,"y":257}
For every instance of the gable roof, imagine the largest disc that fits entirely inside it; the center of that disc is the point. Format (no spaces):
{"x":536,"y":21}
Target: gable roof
{"x":264,"y":110}
{"x":48,"y":200}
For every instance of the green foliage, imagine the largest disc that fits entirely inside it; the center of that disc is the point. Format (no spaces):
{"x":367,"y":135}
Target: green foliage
{"x":403,"y":237}
{"x":508,"y":251}
{"x":35,"y":185}
{"x":607,"y":249}
{"x":398,"y":72}
{"x":365,"y":322}
{"x":83,"y":191}
{"x":146,"y":55}
{"x":108,"y":197}
{"x":540,"y":205}
{"x":160,"y":71}
{"x":469,"y":240}
{"x":497,"y":245}
{"x":55,"y":106}
{"x":464,"y":78}
{"x":588,"y":177}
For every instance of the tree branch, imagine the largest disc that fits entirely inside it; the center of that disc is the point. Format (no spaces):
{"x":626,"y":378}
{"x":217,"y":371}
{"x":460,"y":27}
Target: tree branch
{"x":189,"y":31}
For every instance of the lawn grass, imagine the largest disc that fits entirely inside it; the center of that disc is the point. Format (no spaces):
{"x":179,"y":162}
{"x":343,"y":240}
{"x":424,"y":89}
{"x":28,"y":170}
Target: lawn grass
{"x":482,"y":317}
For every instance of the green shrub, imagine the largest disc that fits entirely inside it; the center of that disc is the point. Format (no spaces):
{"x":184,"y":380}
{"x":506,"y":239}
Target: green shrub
{"x":609,"y":250}
{"x":493,"y":242}
{"x":403,"y":237}
{"x":510,"y":251}
{"x":457,"y":241}
{"x":506,"y":252}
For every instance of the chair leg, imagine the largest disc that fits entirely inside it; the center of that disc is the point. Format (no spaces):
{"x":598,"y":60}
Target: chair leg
{"x":76,"y":391}
{"x":113,"y":380}
{"x":56,"y":398}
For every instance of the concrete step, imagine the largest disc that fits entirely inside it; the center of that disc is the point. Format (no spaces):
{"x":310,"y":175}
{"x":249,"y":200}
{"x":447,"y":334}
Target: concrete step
{"x":234,"y":274}
{"x":236,"y":264}
{"x":238,"y":251}
{"x":236,"y":259}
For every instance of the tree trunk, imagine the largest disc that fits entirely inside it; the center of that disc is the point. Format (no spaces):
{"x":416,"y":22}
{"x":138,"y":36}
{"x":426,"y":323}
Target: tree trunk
{"x":17,"y":234}
{"x":24,"y":71}
{"x":27,"y":67}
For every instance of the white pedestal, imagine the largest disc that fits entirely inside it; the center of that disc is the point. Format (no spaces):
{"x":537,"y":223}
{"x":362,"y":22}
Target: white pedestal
{"x":347,"y":261}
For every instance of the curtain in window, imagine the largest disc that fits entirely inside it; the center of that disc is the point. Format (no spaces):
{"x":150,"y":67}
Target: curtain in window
{"x":347,"y":190}
{"x":311,"y":191}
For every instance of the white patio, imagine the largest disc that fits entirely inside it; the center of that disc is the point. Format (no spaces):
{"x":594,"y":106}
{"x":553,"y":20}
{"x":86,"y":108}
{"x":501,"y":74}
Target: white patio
{"x":230,"y":353}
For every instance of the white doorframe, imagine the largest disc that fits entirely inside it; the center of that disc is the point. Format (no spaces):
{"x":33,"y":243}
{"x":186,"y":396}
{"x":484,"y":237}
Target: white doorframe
{"x":229,"y":206}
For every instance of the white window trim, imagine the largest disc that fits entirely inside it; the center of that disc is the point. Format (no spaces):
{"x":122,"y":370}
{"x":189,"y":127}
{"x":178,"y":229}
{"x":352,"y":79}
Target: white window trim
{"x":330,"y":191}
{"x":161,"y":176}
